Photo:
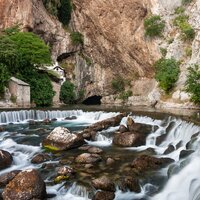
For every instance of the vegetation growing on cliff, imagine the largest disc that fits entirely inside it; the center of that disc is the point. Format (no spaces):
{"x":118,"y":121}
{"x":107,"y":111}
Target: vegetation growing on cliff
{"x":181,"y":21}
{"x":21,"y":54}
{"x":154,"y":26}
{"x":67,"y":93}
{"x":193,"y":83}
{"x":167,"y":72}
{"x":4,"y":76}
{"x":77,"y":38}
{"x":60,"y":8}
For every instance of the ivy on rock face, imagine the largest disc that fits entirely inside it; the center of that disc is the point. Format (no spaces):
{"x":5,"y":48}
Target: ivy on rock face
{"x":4,"y":76}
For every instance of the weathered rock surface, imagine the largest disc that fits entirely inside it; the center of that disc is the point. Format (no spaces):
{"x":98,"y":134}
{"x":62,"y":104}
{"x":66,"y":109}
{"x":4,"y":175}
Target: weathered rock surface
{"x":40,"y":158}
{"x":95,"y":150}
{"x":87,"y":158}
{"x":32,"y":16}
{"x":66,"y":171}
{"x":105,"y":39}
{"x":5,"y":159}
{"x":104,"y":195}
{"x":61,"y":139}
{"x":145,"y":163}
{"x":129,"y":139}
{"x":130,"y":183}
{"x":25,"y":185}
{"x":7,"y":177}
{"x":104,"y":183}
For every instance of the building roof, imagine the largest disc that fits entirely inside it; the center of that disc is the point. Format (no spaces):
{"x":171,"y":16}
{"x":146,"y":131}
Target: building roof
{"x":18,"y":81}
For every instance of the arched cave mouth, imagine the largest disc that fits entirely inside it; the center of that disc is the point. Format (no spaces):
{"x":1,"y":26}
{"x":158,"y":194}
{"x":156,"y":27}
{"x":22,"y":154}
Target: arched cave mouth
{"x":93,"y":100}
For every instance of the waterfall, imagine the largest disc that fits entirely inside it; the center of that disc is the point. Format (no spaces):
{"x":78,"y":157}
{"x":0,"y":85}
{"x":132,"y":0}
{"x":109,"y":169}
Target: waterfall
{"x":22,"y":116}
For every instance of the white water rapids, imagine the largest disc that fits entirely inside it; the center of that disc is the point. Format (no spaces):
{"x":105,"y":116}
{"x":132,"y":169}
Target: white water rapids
{"x":183,"y":184}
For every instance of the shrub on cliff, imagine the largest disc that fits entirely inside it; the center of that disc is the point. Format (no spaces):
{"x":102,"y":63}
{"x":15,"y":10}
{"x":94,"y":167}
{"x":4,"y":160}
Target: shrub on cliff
{"x":193,"y":83}
{"x":154,"y":26}
{"x":181,"y":21}
{"x":59,"y":8}
{"x":67,"y":93}
{"x":118,"y":84}
{"x":167,"y":72}
{"x":77,"y":38}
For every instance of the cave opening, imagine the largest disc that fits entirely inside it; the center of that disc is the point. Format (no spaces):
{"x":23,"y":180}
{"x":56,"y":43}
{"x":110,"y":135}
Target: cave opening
{"x":93,"y":100}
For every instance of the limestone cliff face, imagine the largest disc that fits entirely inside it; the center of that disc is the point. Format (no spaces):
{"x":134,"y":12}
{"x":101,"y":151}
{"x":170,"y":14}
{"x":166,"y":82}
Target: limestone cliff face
{"x":114,"y":36}
{"x":32,"y":16}
{"x":114,"y":44}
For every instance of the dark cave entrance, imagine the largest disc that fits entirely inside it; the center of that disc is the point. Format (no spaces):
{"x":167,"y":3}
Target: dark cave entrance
{"x":93,"y":100}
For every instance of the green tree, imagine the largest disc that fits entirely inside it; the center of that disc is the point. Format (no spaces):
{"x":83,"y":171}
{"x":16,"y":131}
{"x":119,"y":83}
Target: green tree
{"x":4,"y":77}
{"x":193,"y":83}
{"x":41,"y":88}
{"x":167,"y":72}
{"x":64,"y":11}
{"x":67,"y":94}
{"x":154,"y":26}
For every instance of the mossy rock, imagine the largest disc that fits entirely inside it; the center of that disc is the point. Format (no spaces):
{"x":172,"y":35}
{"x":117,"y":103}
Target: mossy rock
{"x":59,"y":179}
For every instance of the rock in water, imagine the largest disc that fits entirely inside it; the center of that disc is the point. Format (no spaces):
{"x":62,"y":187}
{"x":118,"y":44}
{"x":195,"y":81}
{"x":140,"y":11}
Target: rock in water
{"x":40,"y":158}
{"x":104,"y":195}
{"x":146,"y":163}
{"x":104,"y":183}
{"x":129,"y":139}
{"x":5,"y":159}
{"x":86,"y":158}
{"x":61,"y":139}
{"x":25,"y":185}
{"x":7,"y":177}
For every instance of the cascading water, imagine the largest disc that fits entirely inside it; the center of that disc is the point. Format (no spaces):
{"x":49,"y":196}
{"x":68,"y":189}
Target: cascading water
{"x":21,"y":116}
{"x":23,"y":141}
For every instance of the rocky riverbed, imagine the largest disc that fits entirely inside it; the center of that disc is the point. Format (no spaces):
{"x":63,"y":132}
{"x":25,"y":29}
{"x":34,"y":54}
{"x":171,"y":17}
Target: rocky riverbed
{"x":92,"y":155}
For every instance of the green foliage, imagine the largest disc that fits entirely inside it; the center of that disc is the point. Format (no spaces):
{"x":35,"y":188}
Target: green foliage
{"x":41,"y":88}
{"x":186,"y":2}
{"x":31,"y":48}
{"x":188,"y":51}
{"x":67,"y":94}
{"x":77,"y":38}
{"x":179,"y":10}
{"x":4,"y":77}
{"x":20,"y":55}
{"x":59,"y":8}
{"x":193,"y":83}
{"x":167,"y":72}
{"x":154,"y":26}
{"x":118,"y":84}
{"x":125,"y":95}
{"x":19,"y":50}
{"x":188,"y":32}
{"x":64,"y":11}
{"x":163,"y":51}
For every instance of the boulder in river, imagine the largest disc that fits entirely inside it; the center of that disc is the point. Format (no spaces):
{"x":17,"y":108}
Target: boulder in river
{"x":104,"y":195}
{"x":105,"y":124}
{"x":27,"y":184}
{"x":7,"y":177}
{"x":146,"y":163}
{"x":40,"y":158}
{"x":130,"y":183}
{"x":61,"y":139}
{"x":95,"y":150}
{"x":5,"y":159}
{"x":86,"y":158}
{"x":66,"y":171}
{"x":169,"y":149}
{"x":104,"y":183}
{"x":129,"y":139}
